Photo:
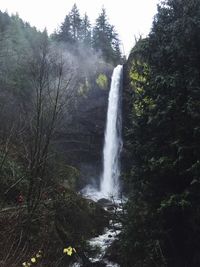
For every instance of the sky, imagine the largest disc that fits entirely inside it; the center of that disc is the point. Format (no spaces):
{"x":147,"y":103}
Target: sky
{"x":131,"y":18}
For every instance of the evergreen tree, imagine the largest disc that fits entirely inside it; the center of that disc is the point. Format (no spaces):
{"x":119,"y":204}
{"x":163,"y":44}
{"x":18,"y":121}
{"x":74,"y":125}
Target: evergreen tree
{"x":105,"y":39}
{"x":85,"y":33}
{"x":77,"y":31}
{"x":4,"y":21}
{"x":75,"y":22}
{"x":65,"y":33}
{"x":163,"y":211}
{"x":70,"y":30}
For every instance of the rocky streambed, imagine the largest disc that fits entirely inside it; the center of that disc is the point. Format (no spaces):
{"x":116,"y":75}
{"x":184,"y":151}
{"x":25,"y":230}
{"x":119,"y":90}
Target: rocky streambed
{"x":99,"y":246}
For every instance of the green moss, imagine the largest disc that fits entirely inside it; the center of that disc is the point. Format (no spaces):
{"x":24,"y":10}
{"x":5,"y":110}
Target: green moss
{"x":102,"y":81}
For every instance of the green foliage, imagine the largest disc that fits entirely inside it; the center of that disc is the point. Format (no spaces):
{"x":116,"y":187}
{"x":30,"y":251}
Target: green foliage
{"x":75,"y":22}
{"x":105,"y":39}
{"x":102,"y":81}
{"x":86,"y":32}
{"x":102,"y":38}
{"x":163,"y":137}
{"x":84,"y":88}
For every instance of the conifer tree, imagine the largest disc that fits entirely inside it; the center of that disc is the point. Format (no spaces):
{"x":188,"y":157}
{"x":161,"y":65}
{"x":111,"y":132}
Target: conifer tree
{"x":75,"y":23}
{"x":105,"y":38}
{"x":164,"y":73}
{"x":65,"y":33}
{"x":70,"y":30}
{"x":86,"y":34}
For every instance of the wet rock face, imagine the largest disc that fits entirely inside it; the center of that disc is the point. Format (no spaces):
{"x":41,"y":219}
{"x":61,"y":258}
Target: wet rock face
{"x":81,"y":140}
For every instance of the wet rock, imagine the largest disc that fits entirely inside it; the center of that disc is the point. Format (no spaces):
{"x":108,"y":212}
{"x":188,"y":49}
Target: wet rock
{"x":110,"y":208}
{"x":97,"y":264}
{"x":114,"y":253}
{"x":77,"y":218}
{"x":107,"y":204}
{"x":104,"y":202}
{"x":117,"y":226}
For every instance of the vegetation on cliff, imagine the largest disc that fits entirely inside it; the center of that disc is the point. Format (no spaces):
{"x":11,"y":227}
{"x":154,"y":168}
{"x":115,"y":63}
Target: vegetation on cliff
{"x":162,"y":138}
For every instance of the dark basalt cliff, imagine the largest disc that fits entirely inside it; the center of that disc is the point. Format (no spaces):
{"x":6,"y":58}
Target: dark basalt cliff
{"x":81,"y":139}
{"x":127,"y":96}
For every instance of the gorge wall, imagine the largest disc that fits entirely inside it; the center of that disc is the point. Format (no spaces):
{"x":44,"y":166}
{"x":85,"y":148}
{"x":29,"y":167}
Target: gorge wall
{"x":81,"y":139}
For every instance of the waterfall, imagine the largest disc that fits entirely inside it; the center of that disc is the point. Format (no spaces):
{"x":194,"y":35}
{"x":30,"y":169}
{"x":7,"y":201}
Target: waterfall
{"x":109,"y":186}
{"x":112,"y":140}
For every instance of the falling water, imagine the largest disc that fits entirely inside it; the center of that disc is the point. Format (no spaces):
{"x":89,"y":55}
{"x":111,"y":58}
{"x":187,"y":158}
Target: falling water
{"x":112,"y":141}
{"x":110,"y":178}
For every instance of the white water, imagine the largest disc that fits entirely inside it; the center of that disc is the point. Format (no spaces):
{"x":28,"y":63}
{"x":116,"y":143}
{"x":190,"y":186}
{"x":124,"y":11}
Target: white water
{"x":109,"y":187}
{"x":103,"y":242}
{"x":112,"y":143}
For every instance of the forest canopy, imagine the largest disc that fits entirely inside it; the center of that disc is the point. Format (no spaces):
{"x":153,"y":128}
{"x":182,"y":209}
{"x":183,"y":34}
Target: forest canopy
{"x":163,"y":137}
{"x":78,"y":33}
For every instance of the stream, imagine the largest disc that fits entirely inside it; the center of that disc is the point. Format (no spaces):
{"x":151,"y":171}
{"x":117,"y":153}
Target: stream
{"x":109,"y":181}
{"x":101,"y":244}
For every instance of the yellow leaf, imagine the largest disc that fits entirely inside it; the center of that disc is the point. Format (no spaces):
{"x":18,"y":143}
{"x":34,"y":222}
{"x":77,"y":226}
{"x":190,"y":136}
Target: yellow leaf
{"x":33,"y":260}
{"x":65,"y":250}
{"x":68,"y":251}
